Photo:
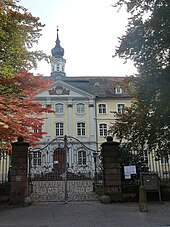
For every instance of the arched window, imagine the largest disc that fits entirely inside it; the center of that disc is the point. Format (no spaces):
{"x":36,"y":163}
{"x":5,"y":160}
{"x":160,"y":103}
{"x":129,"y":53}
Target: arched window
{"x":59,"y":108}
{"x":118,"y":90}
{"x":80,"y":108}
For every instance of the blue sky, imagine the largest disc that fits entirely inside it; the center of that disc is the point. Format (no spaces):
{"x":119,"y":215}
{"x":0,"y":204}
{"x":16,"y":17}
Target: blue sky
{"x":88,"y":31}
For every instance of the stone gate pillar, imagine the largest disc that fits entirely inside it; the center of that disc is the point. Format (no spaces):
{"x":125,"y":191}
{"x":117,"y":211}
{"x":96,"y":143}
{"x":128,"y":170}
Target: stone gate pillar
{"x":111,"y":169}
{"x":19,"y":180}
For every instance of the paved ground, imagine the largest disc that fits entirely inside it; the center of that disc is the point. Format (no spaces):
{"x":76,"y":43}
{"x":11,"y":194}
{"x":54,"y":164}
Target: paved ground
{"x":85,"y":214}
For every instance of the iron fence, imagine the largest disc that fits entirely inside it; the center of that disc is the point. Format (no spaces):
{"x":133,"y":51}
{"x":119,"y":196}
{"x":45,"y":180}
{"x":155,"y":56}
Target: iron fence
{"x":132,"y":164}
{"x":4,"y":166}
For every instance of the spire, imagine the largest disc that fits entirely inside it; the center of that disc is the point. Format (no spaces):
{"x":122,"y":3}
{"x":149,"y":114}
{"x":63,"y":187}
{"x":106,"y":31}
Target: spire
{"x":58,"y":62}
{"x":57,"y":51}
{"x":57,"y":34}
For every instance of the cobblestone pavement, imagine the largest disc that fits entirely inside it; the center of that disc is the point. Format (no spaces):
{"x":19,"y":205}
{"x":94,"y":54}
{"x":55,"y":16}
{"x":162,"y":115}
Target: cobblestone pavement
{"x":85,"y":214}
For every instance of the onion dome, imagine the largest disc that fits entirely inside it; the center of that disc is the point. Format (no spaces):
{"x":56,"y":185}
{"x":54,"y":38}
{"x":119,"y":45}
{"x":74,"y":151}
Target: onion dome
{"x":57,"y":51}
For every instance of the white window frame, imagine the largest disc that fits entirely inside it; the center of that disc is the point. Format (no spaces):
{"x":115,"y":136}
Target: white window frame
{"x":102,"y":130}
{"x":118,"y":90}
{"x":82,"y":157}
{"x":120,"y":111}
{"x":60,"y":108}
{"x":81,"y":128}
{"x":102,"y":108}
{"x":36,"y":158}
{"x":80,"y":108}
{"x":59,"y":128}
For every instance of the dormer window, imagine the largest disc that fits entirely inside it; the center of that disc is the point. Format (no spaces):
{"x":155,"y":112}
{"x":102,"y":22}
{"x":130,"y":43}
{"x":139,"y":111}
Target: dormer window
{"x":97,"y":84}
{"x":118,"y":90}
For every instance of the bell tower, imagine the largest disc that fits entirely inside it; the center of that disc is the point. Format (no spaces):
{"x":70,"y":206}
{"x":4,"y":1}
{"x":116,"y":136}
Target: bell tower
{"x":57,"y":61}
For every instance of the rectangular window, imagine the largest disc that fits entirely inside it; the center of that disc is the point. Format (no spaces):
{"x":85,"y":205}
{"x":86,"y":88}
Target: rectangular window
{"x":59,"y":129}
{"x":103,"y":129}
{"x":82,"y":158}
{"x":37,"y":158}
{"x":81,"y":129}
{"x":120,"y":108}
{"x":102,"y":108}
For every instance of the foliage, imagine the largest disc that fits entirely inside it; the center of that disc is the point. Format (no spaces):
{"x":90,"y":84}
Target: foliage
{"x":19,"y":30}
{"x":147,"y":122}
{"x":19,"y":114}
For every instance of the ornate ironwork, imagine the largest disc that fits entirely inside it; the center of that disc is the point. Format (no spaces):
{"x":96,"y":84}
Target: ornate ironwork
{"x":63,"y":170}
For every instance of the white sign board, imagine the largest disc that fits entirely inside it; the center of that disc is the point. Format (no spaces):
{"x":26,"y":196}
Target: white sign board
{"x":128,"y":170}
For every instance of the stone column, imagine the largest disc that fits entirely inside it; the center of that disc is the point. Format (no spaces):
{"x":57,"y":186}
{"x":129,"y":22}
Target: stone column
{"x":19,"y":180}
{"x":111,"y":169}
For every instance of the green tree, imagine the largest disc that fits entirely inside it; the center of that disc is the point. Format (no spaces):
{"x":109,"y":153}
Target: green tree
{"x":147,"y":43}
{"x":19,"y":30}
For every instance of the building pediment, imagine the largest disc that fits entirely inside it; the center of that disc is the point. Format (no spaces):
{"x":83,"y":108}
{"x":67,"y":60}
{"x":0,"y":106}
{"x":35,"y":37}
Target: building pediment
{"x":59,"y":90}
{"x":64,"y":89}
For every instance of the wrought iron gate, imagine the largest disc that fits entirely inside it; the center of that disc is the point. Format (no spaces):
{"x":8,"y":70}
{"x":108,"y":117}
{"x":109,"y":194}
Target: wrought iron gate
{"x":63,"y":170}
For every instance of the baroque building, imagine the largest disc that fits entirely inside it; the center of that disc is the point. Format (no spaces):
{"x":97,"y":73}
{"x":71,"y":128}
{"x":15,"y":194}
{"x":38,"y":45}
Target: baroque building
{"x":83,"y":107}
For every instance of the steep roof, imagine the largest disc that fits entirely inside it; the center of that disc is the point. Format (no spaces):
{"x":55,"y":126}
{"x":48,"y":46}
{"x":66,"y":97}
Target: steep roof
{"x":96,"y":85}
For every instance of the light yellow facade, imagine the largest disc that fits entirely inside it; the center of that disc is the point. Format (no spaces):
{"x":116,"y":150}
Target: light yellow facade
{"x":69,"y":117}
{"x":109,"y":117}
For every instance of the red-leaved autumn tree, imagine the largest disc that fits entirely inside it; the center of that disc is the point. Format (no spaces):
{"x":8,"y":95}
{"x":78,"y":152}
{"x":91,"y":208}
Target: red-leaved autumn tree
{"x":19,"y":113}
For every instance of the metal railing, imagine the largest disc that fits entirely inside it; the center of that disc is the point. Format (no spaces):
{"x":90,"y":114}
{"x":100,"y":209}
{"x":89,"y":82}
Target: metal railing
{"x":135,"y":163}
{"x":4,"y":166}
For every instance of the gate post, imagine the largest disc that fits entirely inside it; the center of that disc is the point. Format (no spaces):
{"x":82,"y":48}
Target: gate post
{"x":19,"y":180}
{"x":111,"y":169}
